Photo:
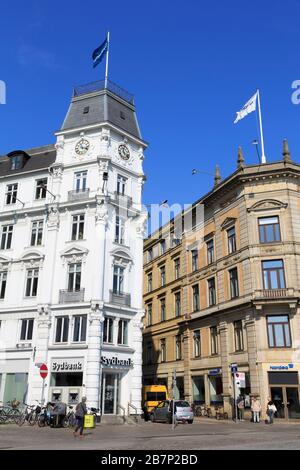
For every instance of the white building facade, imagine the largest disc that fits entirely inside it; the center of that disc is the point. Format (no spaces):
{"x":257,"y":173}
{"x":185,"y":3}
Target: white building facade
{"x":71,"y":265}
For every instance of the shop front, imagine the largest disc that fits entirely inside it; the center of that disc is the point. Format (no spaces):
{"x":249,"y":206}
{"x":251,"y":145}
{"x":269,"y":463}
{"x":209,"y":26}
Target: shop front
{"x":114,"y":392}
{"x":14,"y":380}
{"x":284,"y":391}
{"x":66,"y":381}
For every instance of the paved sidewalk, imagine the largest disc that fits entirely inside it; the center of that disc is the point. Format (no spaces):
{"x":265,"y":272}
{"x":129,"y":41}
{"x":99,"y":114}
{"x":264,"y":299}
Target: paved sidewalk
{"x":203,"y":434}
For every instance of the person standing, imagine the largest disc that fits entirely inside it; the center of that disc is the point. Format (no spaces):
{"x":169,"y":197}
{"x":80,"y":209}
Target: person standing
{"x":256,"y":409}
{"x":80,"y":413}
{"x":271,"y":410}
{"x":241,"y":408}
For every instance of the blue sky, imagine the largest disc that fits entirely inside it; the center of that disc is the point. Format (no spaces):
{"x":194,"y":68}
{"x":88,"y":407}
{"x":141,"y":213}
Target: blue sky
{"x":191,"y":66}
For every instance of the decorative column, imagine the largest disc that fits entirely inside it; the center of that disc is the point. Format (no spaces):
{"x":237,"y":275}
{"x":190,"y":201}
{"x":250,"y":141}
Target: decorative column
{"x":40,"y":355}
{"x":136,"y":372}
{"x":93,"y":369}
{"x":187,"y":345}
{"x":252,"y":354}
{"x":101,"y":219}
{"x":226,"y":371}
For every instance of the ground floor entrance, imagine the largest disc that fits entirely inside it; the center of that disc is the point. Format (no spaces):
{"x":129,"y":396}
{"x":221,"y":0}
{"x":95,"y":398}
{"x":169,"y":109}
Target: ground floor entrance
{"x":110,"y":393}
{"x":284,"y":392}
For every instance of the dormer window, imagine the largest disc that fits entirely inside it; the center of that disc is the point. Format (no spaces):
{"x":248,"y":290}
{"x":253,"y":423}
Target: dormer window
{"x":16,"y":162}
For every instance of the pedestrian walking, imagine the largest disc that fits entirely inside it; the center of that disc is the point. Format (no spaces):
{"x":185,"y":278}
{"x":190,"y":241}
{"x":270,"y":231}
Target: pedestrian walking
{"x":271,"y":410}
{"x":80,"y":412}
{"x":256,"y":410}
{"x":241,"y":407}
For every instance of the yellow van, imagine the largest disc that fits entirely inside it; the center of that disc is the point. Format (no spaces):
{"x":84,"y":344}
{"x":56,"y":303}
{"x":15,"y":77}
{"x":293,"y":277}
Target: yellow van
{"x":152,"y":396}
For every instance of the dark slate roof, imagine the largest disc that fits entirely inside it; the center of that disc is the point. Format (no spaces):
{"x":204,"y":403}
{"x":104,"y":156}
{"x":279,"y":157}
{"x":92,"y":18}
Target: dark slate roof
{"x":40,"y":158}
{"x":104,"y":106}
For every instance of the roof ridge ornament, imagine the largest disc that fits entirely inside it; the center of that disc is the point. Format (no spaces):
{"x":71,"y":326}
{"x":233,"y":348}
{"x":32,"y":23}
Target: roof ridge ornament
{"x":218,"y":178}
{"x":286,"y":152}
{"x":241,"y":159}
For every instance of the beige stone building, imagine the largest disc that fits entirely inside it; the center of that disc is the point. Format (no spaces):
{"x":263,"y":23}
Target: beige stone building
{"x":226,"y":291}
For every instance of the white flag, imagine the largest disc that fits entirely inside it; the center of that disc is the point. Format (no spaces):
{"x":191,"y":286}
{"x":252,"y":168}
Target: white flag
{"x":249,"y":107}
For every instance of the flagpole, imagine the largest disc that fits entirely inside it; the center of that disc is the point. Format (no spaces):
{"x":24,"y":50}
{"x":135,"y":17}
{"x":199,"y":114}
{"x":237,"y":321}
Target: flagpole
{"x":263,"y":157}
{"x":107,"y":54}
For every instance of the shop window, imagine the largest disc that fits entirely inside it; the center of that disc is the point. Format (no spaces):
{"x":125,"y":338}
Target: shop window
{"x":62,"y":330}
{"x":67,"y":379}
{"x":108,"y":329}
{"x":273,"y":274}
{"x":269,"y":229}
{"x":26,"y":330}
{"x":216,"y":390}
{"x":79,"y":331}
{"x":279,"y":334}
{"x":123,"y":332}
{"x":16,"y":388}
{"x":198,"y":390}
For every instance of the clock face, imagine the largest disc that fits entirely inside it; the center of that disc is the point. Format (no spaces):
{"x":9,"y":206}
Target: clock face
{"x":82,"y":147}
{"x":124,"y":152}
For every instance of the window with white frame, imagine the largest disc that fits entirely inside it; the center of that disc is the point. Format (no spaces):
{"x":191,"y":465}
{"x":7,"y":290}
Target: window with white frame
{"x":195,"y":260}
{"x":80,"y":181}
{"x":41,"y":188}
{"x":6,"y":236}
{"x":231,"y":240}
{"x":74,"y":277}
{"x":3,"y":281}
{"x":26,"y":330}
{"x":37,"y":228}
{"x":108,"y":330}
{"x":118,"y":280}
{"x":121,"y":185}
{"x":11,"y":194}
{"x":62,"y":329}
{"x":79,"y":329}
{"x":32,"y":282}
{"x":210,"y":251}
{"x":120,"y":230}
{"x":77,"y":227}
{"x":123,"y":332}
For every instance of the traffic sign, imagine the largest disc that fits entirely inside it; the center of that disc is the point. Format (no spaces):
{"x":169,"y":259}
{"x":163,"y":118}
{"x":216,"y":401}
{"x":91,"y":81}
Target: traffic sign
{"x":43,"y":371}
{"x":240,"y":379}
{"x":234,"y":368}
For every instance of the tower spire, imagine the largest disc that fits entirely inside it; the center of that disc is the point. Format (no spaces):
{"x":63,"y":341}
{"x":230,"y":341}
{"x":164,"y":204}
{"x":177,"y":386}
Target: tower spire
{"x":241,"y":159}
{"x":286,"y":152}
{"x":218,"y":178}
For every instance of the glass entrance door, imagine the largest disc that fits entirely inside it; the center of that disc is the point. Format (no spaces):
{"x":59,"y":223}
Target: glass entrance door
{"x":277,"y":398}
{"x":110,"y":394}
{"x":292,"y":401}
{"x":286,"y":400}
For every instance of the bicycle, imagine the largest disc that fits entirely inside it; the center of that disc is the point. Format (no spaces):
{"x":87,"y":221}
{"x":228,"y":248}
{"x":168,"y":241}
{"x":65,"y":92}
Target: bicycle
{"x":70,"y":420}
{"x":10,"y":413}
{"x":30,"y":414}
{"x":220,"y":413}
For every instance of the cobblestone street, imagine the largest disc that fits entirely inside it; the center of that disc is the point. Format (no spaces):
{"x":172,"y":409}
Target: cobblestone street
{"x":205,"y":434}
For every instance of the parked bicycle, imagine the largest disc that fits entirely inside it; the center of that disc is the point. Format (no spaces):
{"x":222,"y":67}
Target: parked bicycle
{"x":45,"y":416}
{"x":202,"y":410}
{"x":10,"y":413}
{"x":70,"y":419}
{"x":220,"y":413}
{"x":30,"y":414}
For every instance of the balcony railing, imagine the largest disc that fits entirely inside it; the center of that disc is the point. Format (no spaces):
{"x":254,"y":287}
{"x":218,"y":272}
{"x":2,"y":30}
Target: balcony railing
{"x":274,"y":293}
{"x":78,"y":195}
{"x":66,"y":296}
{"x":120,"y":298}
{"x":122,"y":200}
{"x":102,"y":85}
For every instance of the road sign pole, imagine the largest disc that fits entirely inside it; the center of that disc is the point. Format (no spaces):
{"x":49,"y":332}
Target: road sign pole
{"x":173,"y":407}
{"x":43,"y":393}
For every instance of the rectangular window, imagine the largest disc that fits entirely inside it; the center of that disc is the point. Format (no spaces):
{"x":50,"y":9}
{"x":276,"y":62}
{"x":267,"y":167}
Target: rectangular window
{"x":269,"y":229}
{"x":41,"y":189}
{"x":163,"y":350}
{"x":214,"y":340}
{"x":150,"y":254}
{"x":74,"y":281}
{"x":79,"y":331}
{"x":177,"y":304}
{"x":149,"y":353}
{"x":238,"y":336}
{"x":178,"y":351}
{"x":234,"y":283}
{"x":163,"y":310}
{"x":6,"y":237}
{"x":177,"y":268}
{"x":163,"y":276}
{"x":163,"y":247}
{"x":279,"y":333}
{"x":197,"y":343}
{"x":78,"y":227}
{"x":150,"y":315}
{"x":212,"y":292}
{"x":11,"y":194}
{"x":16,"y":163}
{"x":3,"y":281}
{"x":195,"y":260}
{"x":62,"y":330}
{"x":231,"y":238}
{"x":210,"y":252}
{"x":150,"y":282}
{"x":80,"y":181}
{"x":118,"y":280}
{"x":108,"y":330}
{"x":119,"y":230}
{"x":37,"y":233}
{"x":121,"y":185}
{"x":26,"y":330}
{"x":196,"y":298}
{"x":32,"y":282}
{"x":273,"y":274}
{"x":123,"y":332}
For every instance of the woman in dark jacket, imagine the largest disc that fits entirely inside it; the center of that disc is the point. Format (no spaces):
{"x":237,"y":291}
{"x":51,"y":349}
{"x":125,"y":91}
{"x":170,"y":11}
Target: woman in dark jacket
{"x":80,"y":413}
